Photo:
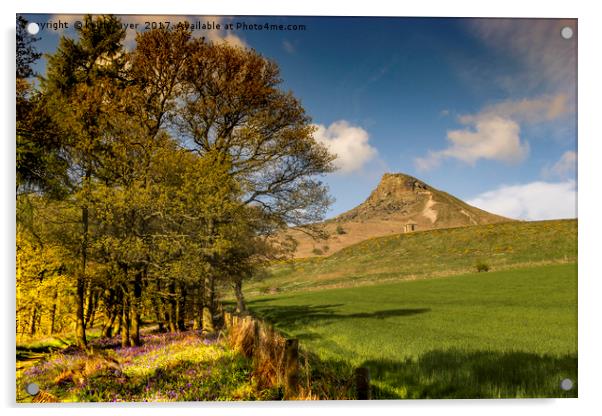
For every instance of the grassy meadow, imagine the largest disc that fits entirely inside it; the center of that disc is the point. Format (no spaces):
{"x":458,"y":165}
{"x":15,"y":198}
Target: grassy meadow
{"x":510,"y":333}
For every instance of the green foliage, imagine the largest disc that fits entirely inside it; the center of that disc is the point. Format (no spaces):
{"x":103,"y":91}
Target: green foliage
{"x":44,"y":290}
{"x":340,"y":230}
{"x":317,"y":251}
{"x":481,"y":266}
{"x":504,"y":334}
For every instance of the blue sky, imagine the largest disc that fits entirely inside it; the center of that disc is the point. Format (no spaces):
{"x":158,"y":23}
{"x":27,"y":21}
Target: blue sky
{"x":484,"y":109}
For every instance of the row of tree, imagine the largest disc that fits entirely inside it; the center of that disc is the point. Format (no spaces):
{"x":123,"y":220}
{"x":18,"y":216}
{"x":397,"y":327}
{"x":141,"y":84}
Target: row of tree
{"x":150,"y":180}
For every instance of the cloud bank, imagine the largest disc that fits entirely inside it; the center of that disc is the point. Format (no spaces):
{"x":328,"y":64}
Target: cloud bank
{"x":532,"y":201}
{"x":349,"y":143}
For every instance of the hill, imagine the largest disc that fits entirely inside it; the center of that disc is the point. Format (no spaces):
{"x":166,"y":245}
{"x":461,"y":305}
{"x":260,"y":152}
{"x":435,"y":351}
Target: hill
{"x":400,"y":203}
{"x":430,"y":253}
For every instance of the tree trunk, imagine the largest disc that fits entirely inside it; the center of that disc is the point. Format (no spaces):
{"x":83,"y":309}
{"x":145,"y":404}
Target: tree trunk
{"x":53,"y":313}
{"x":35,"y":310}
{"x":109,"y":313}
{"x":181,"y":309}
{"x":80,"y":323}
{"x":172,"y":307}
{"x":89,"y":305}
{"x":158,"y":307}
{"x":196,"y":310}
{"x":118,"y":314}
{"x":135,"y":310}
{"x":92,"y":317}
{"x":107,"y":329}
{"x":125,"y":321}
{"x":208,"y":305}
{"x":241,"y":305}
{"x":160,"y":317}
{"x":33,"y":319}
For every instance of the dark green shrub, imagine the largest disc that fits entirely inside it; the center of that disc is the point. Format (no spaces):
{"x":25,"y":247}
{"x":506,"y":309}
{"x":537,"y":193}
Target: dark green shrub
{"x":340,"y":230}
{"x":482,"y":267}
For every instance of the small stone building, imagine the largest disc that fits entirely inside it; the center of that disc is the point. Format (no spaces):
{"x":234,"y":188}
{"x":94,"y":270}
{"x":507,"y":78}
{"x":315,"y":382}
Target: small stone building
{"x":409,"y":227}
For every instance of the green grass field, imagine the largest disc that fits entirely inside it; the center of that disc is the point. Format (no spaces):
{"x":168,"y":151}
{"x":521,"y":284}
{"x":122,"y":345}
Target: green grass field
{"x":427,"y":254}
{"x":510,"y":333}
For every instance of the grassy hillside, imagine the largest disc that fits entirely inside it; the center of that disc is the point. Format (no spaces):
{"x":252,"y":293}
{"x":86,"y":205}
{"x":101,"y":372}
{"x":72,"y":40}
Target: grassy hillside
{"x":428,"y":254}
{"x":508,"y":333}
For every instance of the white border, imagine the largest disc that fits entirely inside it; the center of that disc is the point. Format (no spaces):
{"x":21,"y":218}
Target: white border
{"x":589,"y":189}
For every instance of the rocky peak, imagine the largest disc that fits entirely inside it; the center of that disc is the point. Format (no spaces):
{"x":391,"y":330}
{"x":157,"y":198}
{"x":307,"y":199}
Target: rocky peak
{"x":395,"y":193}
{"x":393,"y":184}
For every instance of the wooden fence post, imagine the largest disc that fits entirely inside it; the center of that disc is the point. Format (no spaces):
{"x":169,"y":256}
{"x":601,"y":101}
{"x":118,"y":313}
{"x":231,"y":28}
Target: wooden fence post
{"x":291,"y":367}
{"x":228,"y":320}
{"x":256,"y":337}
{"x":362,"y":383}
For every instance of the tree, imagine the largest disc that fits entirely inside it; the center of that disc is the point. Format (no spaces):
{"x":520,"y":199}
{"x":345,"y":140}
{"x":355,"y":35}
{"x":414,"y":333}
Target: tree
{"x":41,"y":166}
{"x":81,"y":77}
{"x":231,"y":104}
{"x":26,"y":53}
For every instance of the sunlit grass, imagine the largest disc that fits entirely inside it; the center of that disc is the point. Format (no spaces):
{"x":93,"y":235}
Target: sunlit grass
{"x":495,"y":334}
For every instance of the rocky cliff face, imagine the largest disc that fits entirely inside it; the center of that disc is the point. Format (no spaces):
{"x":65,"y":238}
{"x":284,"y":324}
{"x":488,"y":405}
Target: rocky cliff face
{"x":396,"y":194}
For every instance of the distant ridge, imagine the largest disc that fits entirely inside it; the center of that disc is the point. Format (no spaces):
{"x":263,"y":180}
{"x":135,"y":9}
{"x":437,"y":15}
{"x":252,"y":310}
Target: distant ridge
{"x":400,"y":203}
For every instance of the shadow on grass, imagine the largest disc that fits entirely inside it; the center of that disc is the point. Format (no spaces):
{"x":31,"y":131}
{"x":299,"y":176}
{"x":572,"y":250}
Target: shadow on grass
{"x":449,"y":373}
{"x":291,"y":316}
{"x":35,"y":350}
{"x":477,"y":374}
{"x":452,"y":374}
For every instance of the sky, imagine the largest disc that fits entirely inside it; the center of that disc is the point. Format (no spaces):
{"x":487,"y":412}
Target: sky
{"x":484,"y":109}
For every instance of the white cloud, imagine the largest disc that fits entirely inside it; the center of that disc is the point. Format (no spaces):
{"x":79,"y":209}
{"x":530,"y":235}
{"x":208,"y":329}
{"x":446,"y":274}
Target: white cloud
{"x":564,"y":167}
{"x":492,"y":137}
{"x":218,"y":36}
{"x":531,"y":201}
{"x":494,"y":132}
{"x":349,"y":143}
